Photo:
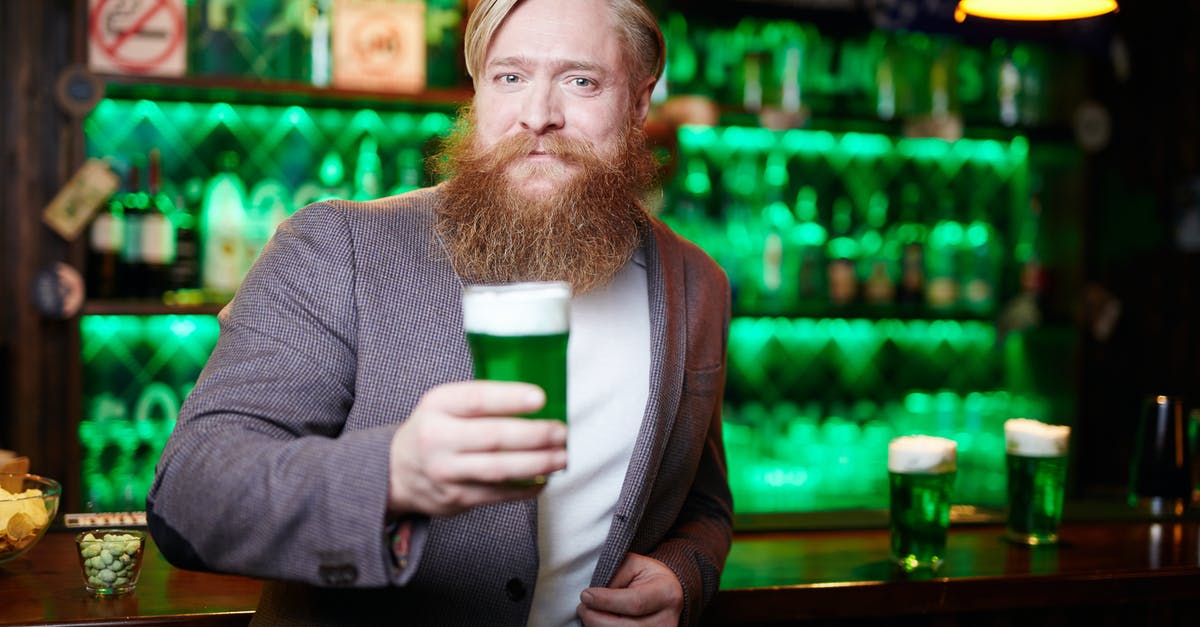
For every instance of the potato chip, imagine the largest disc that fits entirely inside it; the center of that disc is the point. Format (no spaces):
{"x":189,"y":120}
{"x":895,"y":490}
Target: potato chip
{"x":20,"y":525}
{"x":36,"y":509}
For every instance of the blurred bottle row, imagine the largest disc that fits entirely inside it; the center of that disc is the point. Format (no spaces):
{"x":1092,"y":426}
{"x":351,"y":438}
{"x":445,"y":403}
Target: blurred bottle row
{"x":752,"y":65}
{"x":791,"y":457}
{"x":809,"y":221}
{"x":294,"y":40}
{"x":759,"y":65}
{"x":194,"y":239}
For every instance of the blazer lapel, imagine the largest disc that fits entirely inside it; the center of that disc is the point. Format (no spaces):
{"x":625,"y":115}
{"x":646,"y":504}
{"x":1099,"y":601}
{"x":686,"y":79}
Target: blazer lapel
{"x":668,"y":324}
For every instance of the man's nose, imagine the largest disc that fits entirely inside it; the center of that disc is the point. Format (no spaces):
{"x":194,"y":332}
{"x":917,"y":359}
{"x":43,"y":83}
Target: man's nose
{"x":542,"y":111}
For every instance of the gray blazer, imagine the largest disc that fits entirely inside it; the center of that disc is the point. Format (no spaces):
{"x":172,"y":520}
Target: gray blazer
{"x":278,"y":465}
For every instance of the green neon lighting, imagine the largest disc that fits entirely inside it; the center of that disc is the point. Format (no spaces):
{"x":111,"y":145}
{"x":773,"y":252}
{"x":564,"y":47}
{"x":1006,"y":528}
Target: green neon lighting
{"x":136,"y":372}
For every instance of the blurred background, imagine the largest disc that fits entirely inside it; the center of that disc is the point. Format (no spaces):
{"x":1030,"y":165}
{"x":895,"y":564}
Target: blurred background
{"x":930,"y":226}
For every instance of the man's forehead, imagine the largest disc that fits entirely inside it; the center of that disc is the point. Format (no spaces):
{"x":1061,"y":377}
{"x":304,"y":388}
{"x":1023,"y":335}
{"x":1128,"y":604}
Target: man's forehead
{"x":571,"y":31}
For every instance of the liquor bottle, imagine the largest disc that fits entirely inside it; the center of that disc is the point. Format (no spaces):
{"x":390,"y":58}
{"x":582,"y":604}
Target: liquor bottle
{"x":368,"y":171}
{"x":808,"y":239}
{"x":879,"y":260}
{"x":690,"y":198}
{"x":321,"y":63}
{"x":226,"y":255}
{"x":680,"y":74}
{"x":1008,"y":90}
{"x":157,"y":231}
{"x":941,"y":259}
{"x":776,"y":286}
{"x":842,"y":255}
{"x":132,"y":280}
{"x":943,"y":95}
{"x":743,"y":253}
{"x":909,"y":234}
{"x":267,"y":207}
{"x":330,"y":183}
{"x":218,"y":29}
{"x":443,"y":43}
{"x":752,"y":86}
{"x":981,"y":262}
{"x":410,"y":166}
{"x":185,"y":272}
{"x":885,"y":76}
{"x":1032,"y":97}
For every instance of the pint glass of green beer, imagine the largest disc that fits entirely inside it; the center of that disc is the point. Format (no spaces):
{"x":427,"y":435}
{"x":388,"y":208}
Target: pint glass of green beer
{"x":921,"y":471}
{"x":1037,"y":472}
{"x":518,"y":332}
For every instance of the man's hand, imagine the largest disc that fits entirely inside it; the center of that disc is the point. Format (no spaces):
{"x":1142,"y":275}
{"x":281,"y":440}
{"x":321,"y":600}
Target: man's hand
{"x":644,"y":592}
{"x":461,"y":448}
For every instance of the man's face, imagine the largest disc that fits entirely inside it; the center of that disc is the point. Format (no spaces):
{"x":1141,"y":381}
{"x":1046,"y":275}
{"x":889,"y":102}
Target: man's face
{"x":555,"y":67}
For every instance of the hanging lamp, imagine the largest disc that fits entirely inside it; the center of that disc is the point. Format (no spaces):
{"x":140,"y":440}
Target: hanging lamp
{"x":1033,"y":10}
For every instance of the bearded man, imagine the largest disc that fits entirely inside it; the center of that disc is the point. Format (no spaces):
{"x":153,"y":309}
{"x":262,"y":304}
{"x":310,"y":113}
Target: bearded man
{"x":335,"y":444}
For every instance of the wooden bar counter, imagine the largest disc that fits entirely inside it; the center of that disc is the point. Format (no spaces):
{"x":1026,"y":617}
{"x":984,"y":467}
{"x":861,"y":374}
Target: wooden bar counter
{"x":1129,"y":572}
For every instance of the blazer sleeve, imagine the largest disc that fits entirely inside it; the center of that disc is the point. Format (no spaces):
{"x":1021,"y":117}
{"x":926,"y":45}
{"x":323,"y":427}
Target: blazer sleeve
{"x":697,"y":545}
{"x":258,"y":477}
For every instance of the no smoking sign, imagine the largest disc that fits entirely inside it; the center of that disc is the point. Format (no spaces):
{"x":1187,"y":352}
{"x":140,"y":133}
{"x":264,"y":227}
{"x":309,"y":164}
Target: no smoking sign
{"x":145,"y":37}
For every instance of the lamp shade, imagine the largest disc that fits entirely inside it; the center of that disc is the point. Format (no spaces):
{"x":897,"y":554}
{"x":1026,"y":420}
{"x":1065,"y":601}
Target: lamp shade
{"x":1033,"y":10}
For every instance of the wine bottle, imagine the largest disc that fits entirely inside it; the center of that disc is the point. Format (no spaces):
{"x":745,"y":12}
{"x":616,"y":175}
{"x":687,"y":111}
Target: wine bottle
{"x":106,"y":239}
{"x":157,"y":231}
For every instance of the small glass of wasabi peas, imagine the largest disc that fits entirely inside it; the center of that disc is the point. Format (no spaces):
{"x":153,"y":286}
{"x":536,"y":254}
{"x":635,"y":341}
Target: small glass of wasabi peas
{"x":111,"y":559}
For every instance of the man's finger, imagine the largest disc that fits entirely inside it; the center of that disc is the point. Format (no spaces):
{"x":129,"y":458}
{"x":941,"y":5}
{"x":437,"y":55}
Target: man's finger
{"x":486,"y":398}
{"x":483,"y":435}
{"x":516,"y":468}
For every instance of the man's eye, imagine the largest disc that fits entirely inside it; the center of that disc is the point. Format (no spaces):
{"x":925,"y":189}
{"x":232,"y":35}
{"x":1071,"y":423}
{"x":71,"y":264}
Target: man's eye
{"x":583,"y":82}
{"x":509,"y":78}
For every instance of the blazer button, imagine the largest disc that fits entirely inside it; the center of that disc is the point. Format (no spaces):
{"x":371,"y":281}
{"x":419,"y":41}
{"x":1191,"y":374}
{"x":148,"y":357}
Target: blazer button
{"x":338,"y":574}
{"x":515,"y":589}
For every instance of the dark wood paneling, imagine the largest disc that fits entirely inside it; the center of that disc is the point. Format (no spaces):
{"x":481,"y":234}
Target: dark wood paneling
{"x":42,"y":146}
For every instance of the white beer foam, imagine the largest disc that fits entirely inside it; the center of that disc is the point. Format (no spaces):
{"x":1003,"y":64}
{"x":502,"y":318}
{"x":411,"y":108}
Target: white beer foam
{"x":922,"y":453}
{"x":1033,"y":438}
{"x":517,"y":309}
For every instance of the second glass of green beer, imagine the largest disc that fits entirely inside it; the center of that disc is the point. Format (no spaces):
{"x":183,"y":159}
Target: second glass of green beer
{"x":518,"y":332}
{"x":1037,"y":472}
{"x":921,"y":470}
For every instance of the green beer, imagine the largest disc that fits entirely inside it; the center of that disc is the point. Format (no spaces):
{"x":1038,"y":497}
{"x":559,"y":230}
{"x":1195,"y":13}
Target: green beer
{"x":539,"y":359}
{"x":519,"y":332}
{"x":1037,"y":471}
{"x":921,"y":471}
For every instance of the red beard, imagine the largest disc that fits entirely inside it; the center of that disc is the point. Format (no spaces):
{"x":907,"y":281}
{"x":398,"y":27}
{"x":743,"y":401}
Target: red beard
{"x":581,"y":232}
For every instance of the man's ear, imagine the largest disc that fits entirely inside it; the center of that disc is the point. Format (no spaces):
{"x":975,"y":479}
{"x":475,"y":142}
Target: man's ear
{"x":642,"y":101}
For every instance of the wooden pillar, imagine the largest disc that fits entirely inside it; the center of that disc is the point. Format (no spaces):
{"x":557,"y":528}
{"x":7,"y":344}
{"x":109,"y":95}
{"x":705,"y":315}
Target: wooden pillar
{"x":42,"y":147}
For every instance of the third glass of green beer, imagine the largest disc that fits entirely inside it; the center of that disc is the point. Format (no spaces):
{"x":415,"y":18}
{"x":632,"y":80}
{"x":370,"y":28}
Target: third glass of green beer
{"x":921,"y":471}
{"x":1037,"y":471}
{"x":518,"y":332}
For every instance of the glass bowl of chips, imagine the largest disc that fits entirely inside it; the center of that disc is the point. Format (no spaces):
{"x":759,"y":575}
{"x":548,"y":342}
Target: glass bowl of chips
{"x":28,"y":504}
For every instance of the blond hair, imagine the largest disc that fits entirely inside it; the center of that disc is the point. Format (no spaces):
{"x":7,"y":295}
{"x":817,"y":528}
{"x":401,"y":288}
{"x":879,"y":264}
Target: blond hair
{"x":643,"y":45}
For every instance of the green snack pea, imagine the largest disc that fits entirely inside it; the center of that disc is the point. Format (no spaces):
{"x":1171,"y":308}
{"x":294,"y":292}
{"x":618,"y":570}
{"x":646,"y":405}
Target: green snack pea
{"x":106,"y":575}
